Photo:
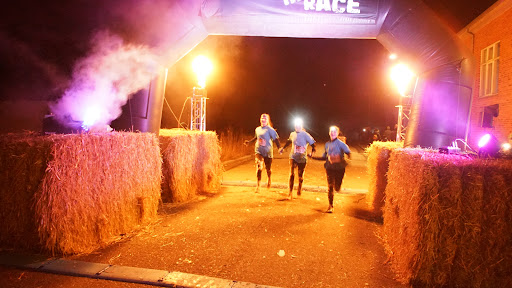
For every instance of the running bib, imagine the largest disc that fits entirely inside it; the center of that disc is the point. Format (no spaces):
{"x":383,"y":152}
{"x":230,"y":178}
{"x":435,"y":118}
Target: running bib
{"x":262,"y":142}
{"x":300,"y":149}
{"x":334,"y":159}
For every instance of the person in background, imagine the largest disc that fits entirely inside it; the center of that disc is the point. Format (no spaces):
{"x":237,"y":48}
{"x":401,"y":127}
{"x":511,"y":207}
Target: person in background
{"x":264,"y":137}
{"x":388,"y":134}
{"x":299,"y":139}
{"x":335,"y":163}
{"x":375,"y":135}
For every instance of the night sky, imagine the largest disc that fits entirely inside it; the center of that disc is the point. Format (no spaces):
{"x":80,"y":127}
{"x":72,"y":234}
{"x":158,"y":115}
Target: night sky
{"x":325,"y":81}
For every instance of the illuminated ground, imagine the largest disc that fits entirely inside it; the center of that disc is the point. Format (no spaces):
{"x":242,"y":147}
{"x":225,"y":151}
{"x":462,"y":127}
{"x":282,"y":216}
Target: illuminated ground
{"x":355,"y":178}
{"x":258,"y":238}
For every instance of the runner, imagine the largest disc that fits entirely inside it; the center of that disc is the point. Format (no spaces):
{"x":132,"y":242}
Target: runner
{"x":300,"y":139}
{"x":335,"y":163}
{"x":263,"y":148}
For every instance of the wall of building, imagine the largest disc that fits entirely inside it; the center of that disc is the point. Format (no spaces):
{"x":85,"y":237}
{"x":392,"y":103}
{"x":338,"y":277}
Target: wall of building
{"x":492,"y":26}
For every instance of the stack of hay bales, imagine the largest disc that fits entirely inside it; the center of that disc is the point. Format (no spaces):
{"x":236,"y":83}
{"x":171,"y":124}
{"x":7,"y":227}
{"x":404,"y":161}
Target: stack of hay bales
{"x":75,"y":193}
{"x":448,"y":220}
{"x":377,"y":168}
{"x":24,"y":159}
{"x":191,"y":164}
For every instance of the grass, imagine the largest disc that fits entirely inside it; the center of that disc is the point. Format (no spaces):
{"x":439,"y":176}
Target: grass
{"x":232,"y":144}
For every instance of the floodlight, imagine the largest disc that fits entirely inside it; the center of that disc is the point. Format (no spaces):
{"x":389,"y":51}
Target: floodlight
{"x":489,"y":146}
{"x":202,"y":67}
{"x":402,"y":76}
{"x":91,"y":117}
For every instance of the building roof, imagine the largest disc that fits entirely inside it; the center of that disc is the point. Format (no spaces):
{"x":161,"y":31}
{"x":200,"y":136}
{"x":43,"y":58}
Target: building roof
{"x":493,"y":12}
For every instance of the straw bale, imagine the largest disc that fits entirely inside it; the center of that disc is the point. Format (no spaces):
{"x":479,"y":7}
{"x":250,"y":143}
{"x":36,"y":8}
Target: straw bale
{"x":469,"y":258}
{"x":95,"y":187}
{"x":24,"y":157}
{"x":447,"y":219}
{"x":484,"y":254}
{"x":496,"y":242}
{"x":377,"y":168}
{"x":439,"y":226}
{"x":208,"y":166}
{"x":401,"y":218}
{"x":191,"y":164}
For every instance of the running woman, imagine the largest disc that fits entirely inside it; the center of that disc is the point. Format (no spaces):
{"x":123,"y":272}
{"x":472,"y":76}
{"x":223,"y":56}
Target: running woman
{"x":299,"y":139}
{"x":335,"y":163}
{"x":264,"y":137}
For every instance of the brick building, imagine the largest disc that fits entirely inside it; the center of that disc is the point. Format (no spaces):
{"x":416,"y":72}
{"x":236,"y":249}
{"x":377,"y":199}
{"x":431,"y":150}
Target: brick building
{"x":489,"y":36}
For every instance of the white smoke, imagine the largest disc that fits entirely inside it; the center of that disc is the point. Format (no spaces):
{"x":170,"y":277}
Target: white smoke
{"x":103,"y":82}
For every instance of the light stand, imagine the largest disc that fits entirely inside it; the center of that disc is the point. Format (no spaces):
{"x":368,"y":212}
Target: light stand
{"x":202,"y":67}
{"x":404,"y":110}
{"x":198,"y":109}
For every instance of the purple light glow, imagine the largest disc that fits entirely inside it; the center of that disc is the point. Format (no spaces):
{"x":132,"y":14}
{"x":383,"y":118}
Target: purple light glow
{"x":484,"y":140}
{"x":104,"y":81}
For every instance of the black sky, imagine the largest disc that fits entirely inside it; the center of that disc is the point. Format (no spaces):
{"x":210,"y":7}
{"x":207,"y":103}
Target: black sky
{"x":323,"y":81}
{"x":326,"y":81}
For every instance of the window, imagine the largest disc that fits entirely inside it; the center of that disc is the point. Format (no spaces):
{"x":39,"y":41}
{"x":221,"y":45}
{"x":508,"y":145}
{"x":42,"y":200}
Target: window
{"x":488,"y":114}
{"x":489,"y":68}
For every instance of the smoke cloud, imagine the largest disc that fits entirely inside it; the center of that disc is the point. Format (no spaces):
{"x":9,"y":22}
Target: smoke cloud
{"x":103,"y":82}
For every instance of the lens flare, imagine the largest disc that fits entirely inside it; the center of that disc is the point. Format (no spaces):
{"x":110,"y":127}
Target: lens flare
{"x":484,"y":140}
{"x":298,"y":122}
{"x":202,"y":66}
{"x":91,"y":116}
{"x":402,"y":76}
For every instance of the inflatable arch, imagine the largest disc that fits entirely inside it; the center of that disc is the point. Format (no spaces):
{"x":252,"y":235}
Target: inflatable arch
{"x":442,"y":97}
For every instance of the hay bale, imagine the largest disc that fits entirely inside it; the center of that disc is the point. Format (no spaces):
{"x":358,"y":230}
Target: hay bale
{"x":401,"y":219}
{"x":94,"y":188}
{"x":377,"y":168}
{"x":496,"y":241}
{"x":447,"y":219}
{"x":191,"y":164}
{"x":208,"y":166}
{"x":470,"y":259}
{"x":24,"y":159}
